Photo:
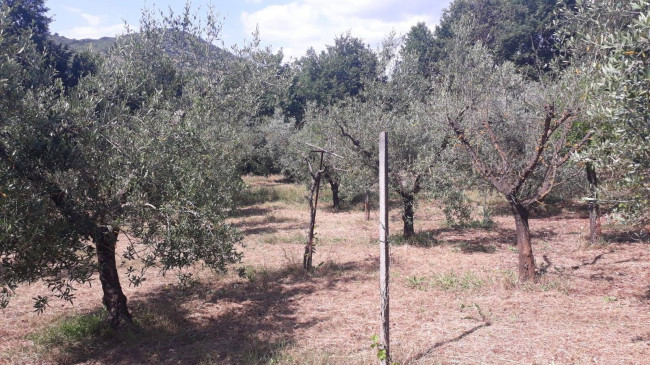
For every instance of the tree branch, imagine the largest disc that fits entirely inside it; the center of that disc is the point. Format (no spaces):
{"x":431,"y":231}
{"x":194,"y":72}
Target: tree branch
{"x":478,"y":164}
{"x":370,"y":162}
{"x":547,"y":131}
{"x":504,"y":160}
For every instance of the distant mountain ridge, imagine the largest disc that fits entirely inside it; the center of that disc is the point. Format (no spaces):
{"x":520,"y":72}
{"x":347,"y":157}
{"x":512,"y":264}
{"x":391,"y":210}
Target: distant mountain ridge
{"x":105,"y":43}
{"x":79,"y":45}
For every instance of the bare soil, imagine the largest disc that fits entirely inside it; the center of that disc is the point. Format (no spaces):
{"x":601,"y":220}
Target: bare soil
{"x":454,"y":297}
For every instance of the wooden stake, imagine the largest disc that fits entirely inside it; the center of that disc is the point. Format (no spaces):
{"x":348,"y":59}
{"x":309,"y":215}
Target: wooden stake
{"x":383,"y":244}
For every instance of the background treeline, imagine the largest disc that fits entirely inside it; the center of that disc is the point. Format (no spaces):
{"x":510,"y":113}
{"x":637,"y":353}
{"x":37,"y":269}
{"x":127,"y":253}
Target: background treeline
{"x":148,"y":135}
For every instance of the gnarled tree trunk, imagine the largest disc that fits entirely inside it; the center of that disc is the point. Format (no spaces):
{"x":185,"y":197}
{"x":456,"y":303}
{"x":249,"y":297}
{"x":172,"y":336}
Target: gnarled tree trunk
{"x":526,"y":259}
{"x":114,"y":300}
{"x":366,"y":205}
{"x":408,"y":214}
{"x":594,"y":207}
{"x":334,"y":185}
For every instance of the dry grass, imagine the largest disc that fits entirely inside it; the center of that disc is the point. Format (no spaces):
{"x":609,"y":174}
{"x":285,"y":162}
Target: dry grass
{"x":454,"y":298}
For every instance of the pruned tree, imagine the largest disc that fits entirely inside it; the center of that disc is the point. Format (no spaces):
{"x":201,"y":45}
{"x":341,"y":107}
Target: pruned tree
{"x":315,"y":175}
{"x":514,"y":131}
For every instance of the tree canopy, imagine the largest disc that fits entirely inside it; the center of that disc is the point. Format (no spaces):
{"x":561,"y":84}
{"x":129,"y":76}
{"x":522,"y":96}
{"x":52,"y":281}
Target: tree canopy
{"x":142,"y":148}
{"x":520,"y":31}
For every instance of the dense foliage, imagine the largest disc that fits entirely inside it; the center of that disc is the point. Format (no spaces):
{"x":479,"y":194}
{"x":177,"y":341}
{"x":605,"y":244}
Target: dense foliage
{"x":611,"y":47}
{"x":147,"y":146}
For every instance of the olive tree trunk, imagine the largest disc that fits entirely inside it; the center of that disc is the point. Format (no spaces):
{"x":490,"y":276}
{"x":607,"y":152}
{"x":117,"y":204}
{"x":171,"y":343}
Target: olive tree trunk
{"x":594,"y":207}
{"x":524,"y":248}
{"x":408,"y":214}
{"x":114,"y":300}
{"x":334,"y":185}
{"x":366,"y":205}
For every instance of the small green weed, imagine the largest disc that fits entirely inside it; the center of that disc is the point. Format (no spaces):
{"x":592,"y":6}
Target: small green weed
{"x":270,"y":239}
{"x":73,"y":331}
{"x":482,"y":315}
{"x":273,"y":239}
{"x":416,"y":282}
{"x":254,"y":276}
{"x":508,"y":279}
{"x":610,"y":299}
{"x":382,"y":354}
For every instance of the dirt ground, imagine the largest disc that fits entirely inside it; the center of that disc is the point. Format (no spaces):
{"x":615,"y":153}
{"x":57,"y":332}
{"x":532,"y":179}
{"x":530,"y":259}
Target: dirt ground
{"x":454,"y":297}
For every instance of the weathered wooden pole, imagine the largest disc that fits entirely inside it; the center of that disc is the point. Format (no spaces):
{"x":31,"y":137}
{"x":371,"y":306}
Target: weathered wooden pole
{"x":383,"y":246}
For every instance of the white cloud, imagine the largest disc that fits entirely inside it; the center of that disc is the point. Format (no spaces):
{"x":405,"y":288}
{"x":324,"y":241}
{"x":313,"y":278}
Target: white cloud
{"x":94,"y":27}
{"x":93,"y":20}
{"x":300,"y":24}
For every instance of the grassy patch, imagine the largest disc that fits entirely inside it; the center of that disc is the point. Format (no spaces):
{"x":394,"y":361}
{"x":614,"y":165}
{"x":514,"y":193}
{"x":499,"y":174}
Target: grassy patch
{"x":507,"y":279}
{"x":73,"y":331}
{"x":553,"y":283}
{"x":447,"y":281}
{"x":417,"y":282}
{"x":450,"y":281}
{"x":254,"y":352}
{"x":466,"y":247}
{"x":290,"y":194}
{"x":278,"y":238}
{"x":73,"y":339}
{"x":88,"y":336}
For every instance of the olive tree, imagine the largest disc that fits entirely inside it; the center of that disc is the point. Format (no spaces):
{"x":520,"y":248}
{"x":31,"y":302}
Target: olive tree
{"x":514,"y":131}
{"x":148,"y":147}
{"x":393,"y":104}
{"x":609,"y":45}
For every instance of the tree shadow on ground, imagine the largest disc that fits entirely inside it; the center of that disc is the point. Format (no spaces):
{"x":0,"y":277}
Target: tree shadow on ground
{"x":247,"y":321}
{"x":266,"y":224}
{"x":558,"y":209}
{"x":249,"y":230}
{"x":421,"y":355}
{"x":626,"y":236}
{"x":467,"y":242}
{"x":249,"y":212}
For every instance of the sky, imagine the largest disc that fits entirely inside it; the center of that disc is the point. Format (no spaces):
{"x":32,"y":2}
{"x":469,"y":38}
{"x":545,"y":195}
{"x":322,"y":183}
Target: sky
{"x":293,"y":26}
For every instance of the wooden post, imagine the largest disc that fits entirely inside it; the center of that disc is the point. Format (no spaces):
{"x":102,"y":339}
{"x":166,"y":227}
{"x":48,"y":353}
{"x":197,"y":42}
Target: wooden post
{"x":383,"y":245}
